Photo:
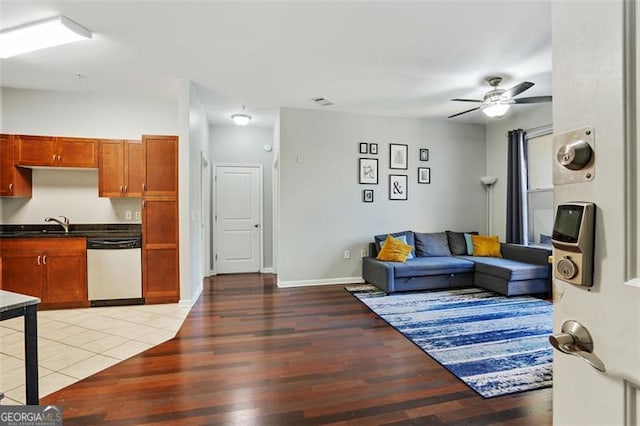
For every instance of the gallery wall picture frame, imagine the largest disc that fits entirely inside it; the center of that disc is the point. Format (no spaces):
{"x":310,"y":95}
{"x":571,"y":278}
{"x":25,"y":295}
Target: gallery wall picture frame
{"x":367,"y":195}
{"x":424,"y":154}
{"x":398,"y":187}
{"x":373,"y":148}
{"x":363,"y":148}
{"x":368,"y":171}
{"x":424,"y":174}
{"x":398,"y":156}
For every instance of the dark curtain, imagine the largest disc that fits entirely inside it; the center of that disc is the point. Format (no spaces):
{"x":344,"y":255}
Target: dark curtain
{"x":516,"y":186}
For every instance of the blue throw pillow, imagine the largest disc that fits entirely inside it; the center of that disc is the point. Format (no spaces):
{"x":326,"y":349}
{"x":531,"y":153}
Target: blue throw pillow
{"x":379,"y":239}
{"x":469,"y":241}
{"x":433,"y":244}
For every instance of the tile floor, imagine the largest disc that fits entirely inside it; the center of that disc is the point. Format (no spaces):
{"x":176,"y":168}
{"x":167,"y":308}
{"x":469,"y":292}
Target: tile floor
{"x":76,"y":343}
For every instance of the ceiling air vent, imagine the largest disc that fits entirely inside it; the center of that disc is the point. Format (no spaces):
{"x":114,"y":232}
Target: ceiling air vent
{"x":322,"y":101}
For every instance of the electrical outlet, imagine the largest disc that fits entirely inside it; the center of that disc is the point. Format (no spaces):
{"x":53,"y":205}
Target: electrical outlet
{"x":364,"y":252}
{"x":137,"y":215}
{"x":347,"y":254}
{"x":127,"y":215}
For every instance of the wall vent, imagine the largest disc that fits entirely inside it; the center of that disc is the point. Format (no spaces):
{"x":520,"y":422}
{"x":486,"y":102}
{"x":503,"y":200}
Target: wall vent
{"x":322,"y":101}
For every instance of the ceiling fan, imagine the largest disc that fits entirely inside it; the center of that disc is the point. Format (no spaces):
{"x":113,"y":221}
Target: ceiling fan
{"x":497,"y":102}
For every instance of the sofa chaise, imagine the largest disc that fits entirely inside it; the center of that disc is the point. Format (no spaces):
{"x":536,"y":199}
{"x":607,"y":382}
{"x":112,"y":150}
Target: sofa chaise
{"x":440,"y":261}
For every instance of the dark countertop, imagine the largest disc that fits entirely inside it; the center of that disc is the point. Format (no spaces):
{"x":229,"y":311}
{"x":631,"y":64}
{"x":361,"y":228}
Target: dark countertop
{"x":125,"y":230}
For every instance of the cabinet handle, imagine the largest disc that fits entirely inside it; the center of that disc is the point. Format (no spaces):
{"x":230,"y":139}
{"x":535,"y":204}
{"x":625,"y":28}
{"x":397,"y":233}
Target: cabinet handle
{"x":38,"y":260}
{"x":10,"y":187}
{"x":44,"y":259}
{"x":144,"y":187}
{"x":144,"y":203}
{"x":59,"y":157}
{"x":125,"y":189}
{"x":54,"y":158}
{"x":121,"y":189}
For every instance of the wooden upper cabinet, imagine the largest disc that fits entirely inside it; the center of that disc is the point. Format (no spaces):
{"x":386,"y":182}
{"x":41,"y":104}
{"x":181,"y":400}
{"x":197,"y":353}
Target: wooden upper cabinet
{"x":35,"y":150}
{"x":14,"y":181}
{"x":160,"y":165}
{"x":120,"y":168}
{"x":133,"y":168}
{"x":50,"y":151}
{"x":77,"y":152}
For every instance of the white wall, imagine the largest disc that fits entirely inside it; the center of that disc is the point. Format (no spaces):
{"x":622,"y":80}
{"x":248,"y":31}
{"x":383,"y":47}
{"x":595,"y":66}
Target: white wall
{"x":535,"y":116}
{"x":235,"y":144}
{"x":321,"y":213}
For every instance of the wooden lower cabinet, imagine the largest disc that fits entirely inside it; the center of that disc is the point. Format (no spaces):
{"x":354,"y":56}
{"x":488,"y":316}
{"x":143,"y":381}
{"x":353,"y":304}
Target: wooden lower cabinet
{"x":53,"y":269}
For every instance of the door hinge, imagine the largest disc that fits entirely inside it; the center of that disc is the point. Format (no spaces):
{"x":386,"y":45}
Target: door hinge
{"x":216,"y":257}
{"x":215,"y":217}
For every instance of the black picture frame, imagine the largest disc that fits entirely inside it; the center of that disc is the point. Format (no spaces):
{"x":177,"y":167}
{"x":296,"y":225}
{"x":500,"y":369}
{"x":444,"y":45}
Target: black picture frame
{"x":368,"y":171}
{"x":424,"y":154}
{"x":398,"y":187}
{"x":367,"y":195}
{"x":373,"y":148}
{"x":398,"y":159}
{"x":424,"y":174}
{"x":363,"y":148}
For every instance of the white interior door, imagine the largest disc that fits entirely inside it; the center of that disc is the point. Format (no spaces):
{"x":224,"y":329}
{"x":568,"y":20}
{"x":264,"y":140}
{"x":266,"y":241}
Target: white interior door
{"x":593,"y":86}
{"x":239,"y":216}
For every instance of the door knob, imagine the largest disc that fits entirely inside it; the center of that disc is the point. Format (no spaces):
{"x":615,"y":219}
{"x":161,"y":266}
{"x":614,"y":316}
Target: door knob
{"x":256,"y":225}
{"x":576,"y":340}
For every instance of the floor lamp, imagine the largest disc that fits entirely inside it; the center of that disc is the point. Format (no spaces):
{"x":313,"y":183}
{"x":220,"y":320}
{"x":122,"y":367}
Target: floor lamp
{"x":488,"y":182}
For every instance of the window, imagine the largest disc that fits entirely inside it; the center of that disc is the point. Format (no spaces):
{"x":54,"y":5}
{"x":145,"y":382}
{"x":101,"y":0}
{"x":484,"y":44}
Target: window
{"x":539,"y":189}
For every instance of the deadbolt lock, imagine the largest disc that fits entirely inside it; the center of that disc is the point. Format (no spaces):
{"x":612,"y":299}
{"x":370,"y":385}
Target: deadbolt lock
{"x":574,"y":156}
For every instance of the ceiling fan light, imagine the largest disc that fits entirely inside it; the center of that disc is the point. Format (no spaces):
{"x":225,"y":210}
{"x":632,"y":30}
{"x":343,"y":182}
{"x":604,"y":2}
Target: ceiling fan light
{"x":496,"y":110}
{"x":241,"y":119}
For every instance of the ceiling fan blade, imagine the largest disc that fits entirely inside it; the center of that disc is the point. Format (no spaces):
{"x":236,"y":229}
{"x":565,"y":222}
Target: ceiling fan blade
{"x":533,"y":100}
{"x":463,"y":112}
{"x":466,"y":100}
{"x":518,"y":88}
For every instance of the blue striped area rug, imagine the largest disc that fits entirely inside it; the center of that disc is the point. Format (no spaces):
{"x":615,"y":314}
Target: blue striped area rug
{"x":495,"y":344}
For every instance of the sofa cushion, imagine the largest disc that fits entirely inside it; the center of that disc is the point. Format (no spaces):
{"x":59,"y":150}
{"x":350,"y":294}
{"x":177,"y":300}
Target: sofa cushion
{"x":433,"y":244}
{"x":379,"y":239}
{"x":394,"y":250}
{"x":484,"y":245}
{"x":469,"y":242}
{"x":510,"y":270}
{"x":457,"y":243}
{"x":423,"y":266}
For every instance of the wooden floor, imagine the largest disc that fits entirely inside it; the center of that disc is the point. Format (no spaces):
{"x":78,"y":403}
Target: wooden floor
{"x":252,"y":354}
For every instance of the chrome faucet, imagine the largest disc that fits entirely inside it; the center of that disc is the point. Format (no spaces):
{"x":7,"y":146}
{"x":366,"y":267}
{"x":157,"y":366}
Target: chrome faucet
{"x":64,"y":222}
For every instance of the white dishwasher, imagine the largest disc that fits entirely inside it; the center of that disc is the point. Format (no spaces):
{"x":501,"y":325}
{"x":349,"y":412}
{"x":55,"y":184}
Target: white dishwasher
{"x":114,"y":271}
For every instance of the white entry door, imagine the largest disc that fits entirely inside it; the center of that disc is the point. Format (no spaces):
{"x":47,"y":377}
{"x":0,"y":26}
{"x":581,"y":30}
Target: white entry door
{"x":238,"y":219}
{"x":592,"y":78}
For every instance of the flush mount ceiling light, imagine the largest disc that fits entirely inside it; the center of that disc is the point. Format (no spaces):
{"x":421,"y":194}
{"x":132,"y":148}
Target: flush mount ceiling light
{"x":41,"y":35}
{"x":241,"y":118}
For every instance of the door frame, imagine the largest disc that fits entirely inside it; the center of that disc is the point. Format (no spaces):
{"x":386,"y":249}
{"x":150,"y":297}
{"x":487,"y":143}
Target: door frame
{"x":216,"y":205}
{"x":206,"y":181}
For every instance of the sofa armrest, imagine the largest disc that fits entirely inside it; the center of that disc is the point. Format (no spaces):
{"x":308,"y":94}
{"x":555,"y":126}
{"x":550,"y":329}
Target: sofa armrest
{"x":379,"y":273}
{"x":527,"y":254}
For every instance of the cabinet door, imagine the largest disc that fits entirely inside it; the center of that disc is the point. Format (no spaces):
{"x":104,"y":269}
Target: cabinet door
{"x":14,"y":181}
{"x":65,"y":277}
{"x":133,"y":169}
{"x":111,"y":169}
{"x":160,"y":250}
{"x":77,"y":152}
{"x":22,"y":272}
{"x":36,"y":150}
{"x":160,"y":165}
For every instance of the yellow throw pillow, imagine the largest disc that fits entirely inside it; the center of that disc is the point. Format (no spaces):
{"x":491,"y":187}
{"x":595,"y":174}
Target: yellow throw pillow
{"x":394,"y":250}
{"x":484,"y":245}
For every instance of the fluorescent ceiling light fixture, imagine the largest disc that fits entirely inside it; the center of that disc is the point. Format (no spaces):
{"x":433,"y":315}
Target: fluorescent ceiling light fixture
{"x":496,"y":110}
{"x":40,"y":35}
{"x":241,"y":119}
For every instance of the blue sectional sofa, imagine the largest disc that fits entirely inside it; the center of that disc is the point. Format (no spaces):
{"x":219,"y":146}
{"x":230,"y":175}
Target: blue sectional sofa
{"x":520,"y":270}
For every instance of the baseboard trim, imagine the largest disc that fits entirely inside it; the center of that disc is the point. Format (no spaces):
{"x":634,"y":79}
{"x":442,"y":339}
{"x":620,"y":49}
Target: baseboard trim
{"x":325,"y":281}
{"x":187,"y":303}
{"x":266,"y":271}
